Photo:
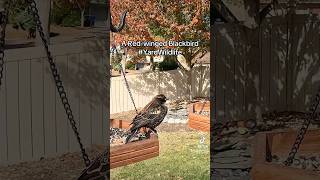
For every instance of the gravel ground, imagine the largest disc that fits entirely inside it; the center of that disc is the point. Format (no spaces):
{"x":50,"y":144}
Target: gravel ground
{"x":232,"y":150}
{"x":118,"y":136}
{"x":302,"y":162}
{"x":66,"y":167}
{"x":231,"y":174}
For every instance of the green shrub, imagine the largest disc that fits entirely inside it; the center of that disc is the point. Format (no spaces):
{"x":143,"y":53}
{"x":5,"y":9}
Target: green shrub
{"x":23,"y":20}
{"x":168,"y":64}
{"x":130,"y":65}
{"x":71,"y":20}
{"x":115,"y":61}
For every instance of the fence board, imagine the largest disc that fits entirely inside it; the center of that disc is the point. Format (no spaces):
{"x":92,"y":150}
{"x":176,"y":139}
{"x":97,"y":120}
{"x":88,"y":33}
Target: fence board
{"x":265,"y":67}
{"x":297,"y":90}
{"x":37,"y":108}
{"x":229,"y":77}
{"x":32,"y":117}
{"x":315,"y":56}
{"x":220,"y":86}
{"x":24,"y":109}
{"x":50,"y":124}
{"x":239,"y":76}
{"x":105,"y":107}
{"x":312,"y":62}
{"x":96,"y":106}
{"x":61,"y":117}
{"x":13,"y":112}
{"x":74,"y":97}
{"x":86,"y":88}
{"x":3,"y":118}
{"x":281,"y":69}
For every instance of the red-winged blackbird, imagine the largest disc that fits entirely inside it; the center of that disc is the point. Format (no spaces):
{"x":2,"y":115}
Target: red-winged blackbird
{"x":149,"y":117}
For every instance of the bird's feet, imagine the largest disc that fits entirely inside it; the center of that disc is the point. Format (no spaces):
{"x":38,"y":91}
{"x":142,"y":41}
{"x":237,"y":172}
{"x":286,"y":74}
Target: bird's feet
{"x":148,"y":134}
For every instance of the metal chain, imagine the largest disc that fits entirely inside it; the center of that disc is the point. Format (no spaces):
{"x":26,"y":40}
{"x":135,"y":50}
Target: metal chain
{"x":128,"y":88}
{"x":104,"y":163}
{"x":302,"y":131}
{"x":58,"y":82}
{"x":3,"y":19}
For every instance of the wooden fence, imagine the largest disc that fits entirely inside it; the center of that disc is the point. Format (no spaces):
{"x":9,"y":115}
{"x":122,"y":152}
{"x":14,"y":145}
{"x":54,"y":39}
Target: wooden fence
{"x":174,"y":84}
{"x":33,"y":123}
{"x":275,"y":67}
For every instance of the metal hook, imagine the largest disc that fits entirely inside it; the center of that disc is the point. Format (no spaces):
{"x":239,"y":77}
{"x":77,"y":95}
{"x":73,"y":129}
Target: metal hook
{"x":121,"y":25}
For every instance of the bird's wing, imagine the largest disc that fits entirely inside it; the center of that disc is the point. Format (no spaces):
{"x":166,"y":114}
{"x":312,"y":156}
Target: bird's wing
{"x":146,"y":111}
{"x":163,"y":110}
{"x":153,"y":118}
{"x":152,"y":104}
{"x":142,"y":120}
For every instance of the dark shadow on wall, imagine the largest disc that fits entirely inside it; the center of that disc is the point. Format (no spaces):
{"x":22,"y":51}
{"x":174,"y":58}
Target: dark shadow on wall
{"x":85,"y":73}
{"x":201,"y":81}
{"x":174,"y":84}
{"x":272,"y":68}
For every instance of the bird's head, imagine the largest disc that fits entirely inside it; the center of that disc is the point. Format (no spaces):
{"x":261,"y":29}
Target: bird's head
{"x":161,"y":98}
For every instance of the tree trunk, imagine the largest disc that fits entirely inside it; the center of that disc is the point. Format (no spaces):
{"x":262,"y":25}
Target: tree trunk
{"x":123,"y":63}
{"x":82,"y":17}
{"x":44,"y":14}
{"x":189,"y":74}
{"x":152,"y":66}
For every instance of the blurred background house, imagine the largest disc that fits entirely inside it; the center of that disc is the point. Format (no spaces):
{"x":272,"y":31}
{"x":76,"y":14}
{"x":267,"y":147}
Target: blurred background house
{"x":96,"y":13}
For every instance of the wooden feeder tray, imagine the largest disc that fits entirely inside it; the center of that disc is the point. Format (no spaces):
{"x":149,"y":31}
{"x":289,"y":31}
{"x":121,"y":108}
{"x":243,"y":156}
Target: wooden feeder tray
{"x":197,"y":121}
{"x":279,"y":143}
{"x":133,"y":152}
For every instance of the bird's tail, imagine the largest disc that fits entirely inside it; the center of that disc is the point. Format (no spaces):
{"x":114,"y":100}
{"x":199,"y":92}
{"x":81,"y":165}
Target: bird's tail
{"x":131,"y":135}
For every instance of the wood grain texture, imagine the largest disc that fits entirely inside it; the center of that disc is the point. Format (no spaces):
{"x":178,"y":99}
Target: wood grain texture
{"x":133,"y":152}
{"x":279,"y":143}
{"x":198,"y":121}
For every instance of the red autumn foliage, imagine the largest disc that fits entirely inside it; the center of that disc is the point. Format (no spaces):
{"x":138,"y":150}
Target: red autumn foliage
{"x":164,"y":20}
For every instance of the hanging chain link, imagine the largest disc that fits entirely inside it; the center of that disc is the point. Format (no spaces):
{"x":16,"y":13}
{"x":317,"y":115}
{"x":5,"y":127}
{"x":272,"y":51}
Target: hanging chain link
{"x":115,"y":51}
{"x":128,"y":88}
{"x":302,"y":131}
{"x":104,"y":163}
{"x":57,"y":79}
{"x":3,"y":20}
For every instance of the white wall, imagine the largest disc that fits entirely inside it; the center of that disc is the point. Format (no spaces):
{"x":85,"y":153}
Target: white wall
{"x":145,"y":86}
{"x":33,"y":123}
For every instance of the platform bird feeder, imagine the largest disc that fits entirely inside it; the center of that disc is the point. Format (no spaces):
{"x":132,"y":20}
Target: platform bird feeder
{"x":268,"y":144}
{"x":133,"y":152}
{"x":199,"y":116}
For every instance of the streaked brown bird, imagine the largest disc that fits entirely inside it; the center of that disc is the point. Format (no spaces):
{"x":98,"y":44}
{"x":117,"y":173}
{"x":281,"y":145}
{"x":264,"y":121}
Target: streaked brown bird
{"x":149,"y":117}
